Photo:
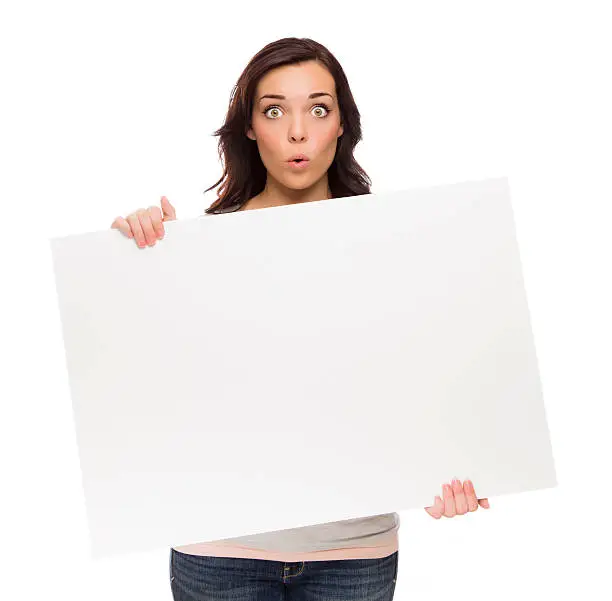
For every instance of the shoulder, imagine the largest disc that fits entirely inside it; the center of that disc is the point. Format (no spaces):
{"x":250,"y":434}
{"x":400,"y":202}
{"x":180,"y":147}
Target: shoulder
{"x":231,"y":209}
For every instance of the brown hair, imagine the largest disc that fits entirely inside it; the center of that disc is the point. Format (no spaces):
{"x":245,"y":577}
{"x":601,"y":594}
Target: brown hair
{"x":244,"y":174}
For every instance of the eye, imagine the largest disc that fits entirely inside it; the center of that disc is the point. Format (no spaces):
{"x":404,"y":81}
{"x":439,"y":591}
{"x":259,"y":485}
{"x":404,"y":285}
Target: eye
{"x":276,"y":108}
{"x":324,"y":107}
{"x":271,"y":108}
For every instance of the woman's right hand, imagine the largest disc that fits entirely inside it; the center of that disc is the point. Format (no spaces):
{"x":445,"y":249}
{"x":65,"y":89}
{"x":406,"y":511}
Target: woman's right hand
{"x":146,"y":226}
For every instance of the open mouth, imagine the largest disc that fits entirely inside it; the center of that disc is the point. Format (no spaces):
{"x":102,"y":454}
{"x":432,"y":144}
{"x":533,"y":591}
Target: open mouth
{"x":298,"y":163}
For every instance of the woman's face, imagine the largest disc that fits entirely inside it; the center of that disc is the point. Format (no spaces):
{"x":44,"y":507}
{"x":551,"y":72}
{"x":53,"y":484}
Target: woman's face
{"x":295,"y":123}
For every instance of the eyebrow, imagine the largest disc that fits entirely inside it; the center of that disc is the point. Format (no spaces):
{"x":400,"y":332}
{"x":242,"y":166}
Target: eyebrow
{"x":281,"y":97}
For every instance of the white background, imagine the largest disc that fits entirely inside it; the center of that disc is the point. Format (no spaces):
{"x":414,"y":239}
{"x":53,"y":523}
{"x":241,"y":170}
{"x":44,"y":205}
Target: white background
{"x":107,"y":106}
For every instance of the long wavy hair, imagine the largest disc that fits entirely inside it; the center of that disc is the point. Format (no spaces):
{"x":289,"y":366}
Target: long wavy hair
{"x":244,"y":174}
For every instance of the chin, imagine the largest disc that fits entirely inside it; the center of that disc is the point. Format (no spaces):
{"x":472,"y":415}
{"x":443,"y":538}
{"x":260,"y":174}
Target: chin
{"x":302,"y":185}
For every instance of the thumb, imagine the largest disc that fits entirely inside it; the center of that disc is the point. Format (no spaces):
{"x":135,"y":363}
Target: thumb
{"x":167,"y":209}
{"x":437,"y":509}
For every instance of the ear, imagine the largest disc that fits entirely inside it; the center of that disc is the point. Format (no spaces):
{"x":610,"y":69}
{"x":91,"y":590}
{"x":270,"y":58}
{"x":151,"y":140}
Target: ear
{"x":250,"y":134}
{"x":341,"y":130}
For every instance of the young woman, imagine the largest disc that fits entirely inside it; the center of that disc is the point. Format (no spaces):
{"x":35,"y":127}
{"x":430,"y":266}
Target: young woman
{"x":288,"y":138}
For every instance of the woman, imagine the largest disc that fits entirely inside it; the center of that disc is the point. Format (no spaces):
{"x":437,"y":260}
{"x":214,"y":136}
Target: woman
{"x":288,"y":138}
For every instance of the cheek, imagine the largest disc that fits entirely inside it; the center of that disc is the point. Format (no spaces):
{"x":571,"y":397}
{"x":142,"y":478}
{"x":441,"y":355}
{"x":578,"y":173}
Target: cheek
{"x":266,"y":142}
{"x":329,"y":142}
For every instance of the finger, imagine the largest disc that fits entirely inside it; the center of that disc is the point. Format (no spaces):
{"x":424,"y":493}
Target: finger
{"x":437,"y":509}
{"x":484,"y":503}
{"x":472,"y":501}
{"x":168,"y":209}
{"x":136,"y":229}
{"x":147,"y":227}
{"x":123,"y":226}
{"x":449,"y":501}
{"x":460,"y":501}
{"x":156,"y":220}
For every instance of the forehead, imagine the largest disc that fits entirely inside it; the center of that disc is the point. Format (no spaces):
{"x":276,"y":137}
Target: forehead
{"x":296,"y":81}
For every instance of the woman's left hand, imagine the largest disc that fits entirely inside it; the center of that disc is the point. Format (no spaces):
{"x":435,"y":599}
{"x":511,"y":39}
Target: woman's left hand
{"x":458,"y":499}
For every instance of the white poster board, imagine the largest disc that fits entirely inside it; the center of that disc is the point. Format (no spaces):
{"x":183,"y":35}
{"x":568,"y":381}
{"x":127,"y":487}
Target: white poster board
{"x":289,"y":366}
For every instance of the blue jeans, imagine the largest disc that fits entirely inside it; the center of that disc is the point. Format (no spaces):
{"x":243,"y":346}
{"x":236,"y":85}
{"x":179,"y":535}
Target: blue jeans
{"x":204,"y":578}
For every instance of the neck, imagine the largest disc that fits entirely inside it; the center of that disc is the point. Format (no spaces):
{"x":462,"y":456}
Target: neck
{"x":276,"y":194}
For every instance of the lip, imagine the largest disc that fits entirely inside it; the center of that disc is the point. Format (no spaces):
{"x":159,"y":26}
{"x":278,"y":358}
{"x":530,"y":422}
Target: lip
{"x":301,"y":165}
{"x":298,"y":156}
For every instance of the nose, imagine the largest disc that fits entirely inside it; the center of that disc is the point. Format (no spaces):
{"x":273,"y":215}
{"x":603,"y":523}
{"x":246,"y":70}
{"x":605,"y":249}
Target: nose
{"x":297,"y":132}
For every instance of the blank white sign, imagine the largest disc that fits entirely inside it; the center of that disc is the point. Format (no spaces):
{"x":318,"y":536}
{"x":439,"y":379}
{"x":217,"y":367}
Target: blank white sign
{"x":296,"y":365}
